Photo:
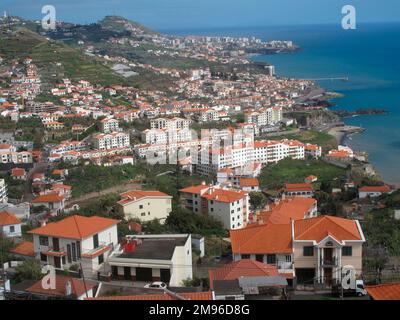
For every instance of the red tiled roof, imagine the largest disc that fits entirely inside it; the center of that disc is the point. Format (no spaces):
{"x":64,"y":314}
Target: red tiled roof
{"x":222,"y":195}
{"x":24,"y":249}
{"x":7,"y":218}
{"x":194,"y":189}
{"x":78,"y":287}
{"x":249,"y":182}
{"x":75,"y":227}
{"x":383,"y":189}
{"x":290,"y":208}
{"x":163,"y":296}
{"x":242,"y":268}
{"x":48,"y":198}
{"x":387,"y":291}
{"x":134,"y":195}
{"x":298,"y":187}
{"x":320,"y":227}
{"x":262,"y":239}
{"x":18,"y":172}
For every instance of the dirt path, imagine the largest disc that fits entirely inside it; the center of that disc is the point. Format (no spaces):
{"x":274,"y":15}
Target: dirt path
{"x":93,"y":195}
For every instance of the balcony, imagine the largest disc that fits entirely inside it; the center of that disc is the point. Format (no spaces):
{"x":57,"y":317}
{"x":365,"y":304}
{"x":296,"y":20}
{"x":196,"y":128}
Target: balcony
{"x":283,"y":265}
{"x":54,"y":252}
{"x":92,"y":253}
{"x":329,"y":262}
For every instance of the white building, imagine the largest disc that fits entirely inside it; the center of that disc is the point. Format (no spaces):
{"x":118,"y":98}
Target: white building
{"x":112,"y":140}
{"x":172,"y":124}
{"x":145,"y":205}
{"x":10,"y":225}
{"x":74,"y":240}
{"x":3,"y":191}
{"x":228,"y":206}
{"x":149,"y":258}
{"x":109,"y":125}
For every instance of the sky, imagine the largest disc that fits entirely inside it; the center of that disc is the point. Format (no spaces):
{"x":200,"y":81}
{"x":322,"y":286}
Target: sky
{"x":199,"y":14}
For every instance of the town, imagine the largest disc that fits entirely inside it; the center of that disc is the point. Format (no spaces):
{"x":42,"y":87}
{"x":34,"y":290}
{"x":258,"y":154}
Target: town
{"x":142,"y":166}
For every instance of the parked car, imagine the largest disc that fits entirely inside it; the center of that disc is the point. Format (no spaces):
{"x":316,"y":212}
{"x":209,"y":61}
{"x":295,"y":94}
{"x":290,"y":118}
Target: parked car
{"x":156,"y":285}
{"x":359,"y":291}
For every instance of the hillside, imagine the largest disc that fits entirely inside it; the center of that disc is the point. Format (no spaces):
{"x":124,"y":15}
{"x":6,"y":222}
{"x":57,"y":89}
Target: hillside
{"x":120,"y":24}
{"x":56,"y":60}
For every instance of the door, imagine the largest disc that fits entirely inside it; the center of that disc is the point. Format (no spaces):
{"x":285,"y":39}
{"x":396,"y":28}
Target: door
{"x":114,"y":272}
{"x":328,"y":256}
{"x":127,"y":273}
{"x":165,"y":275}
{"x":57,"y":262}
{"x":56,"y":244}
{"x":328,"y":276}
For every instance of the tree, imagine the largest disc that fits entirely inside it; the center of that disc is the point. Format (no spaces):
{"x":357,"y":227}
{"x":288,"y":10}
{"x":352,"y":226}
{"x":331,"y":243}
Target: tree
{"x":5,"y":246}
{"x":257,"y":199}
{"x":28,"y":270}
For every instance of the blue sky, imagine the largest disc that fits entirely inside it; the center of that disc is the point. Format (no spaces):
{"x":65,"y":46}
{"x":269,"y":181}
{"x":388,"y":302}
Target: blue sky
{"x":197,"y":14}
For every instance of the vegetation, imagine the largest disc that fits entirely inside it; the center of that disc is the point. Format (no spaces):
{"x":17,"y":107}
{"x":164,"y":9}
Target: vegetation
{"x":28,"y":270}
{"x":5,"y":246}
{"x":295,"y":171}
{"x":257,"y":200}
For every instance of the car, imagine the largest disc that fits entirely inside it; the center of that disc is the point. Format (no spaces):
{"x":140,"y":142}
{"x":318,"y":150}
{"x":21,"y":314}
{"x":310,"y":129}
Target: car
{"x":156,"y":285}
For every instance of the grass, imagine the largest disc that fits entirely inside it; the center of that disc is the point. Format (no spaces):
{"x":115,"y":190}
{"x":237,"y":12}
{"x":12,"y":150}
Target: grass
{"x":294,"y":171}
{"x":325,"y":140}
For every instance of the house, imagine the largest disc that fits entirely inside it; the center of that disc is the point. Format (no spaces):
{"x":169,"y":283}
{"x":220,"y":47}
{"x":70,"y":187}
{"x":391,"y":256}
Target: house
{"x":62,"y":190}
{"x":312,"y":250}
{"x":288,"y":209}
{"x":65,"y":287}
{"x":18,"y":173}
{"x":24,"y":250}
{"x":145,"y":205}
{"x":148,"y":258}
{"x":386,"y":291}
{"x":249,"y":184}
{"x":52,"y":201}
{"x":74,"y":240}
{"x":228,"y":282}
{"x":162,"y":296}
{"x":373,"y":191}
{"x":299,"y":189}
{"x":311,"y":179}
{"x":10,"y":225}
{"x":228,"y":206}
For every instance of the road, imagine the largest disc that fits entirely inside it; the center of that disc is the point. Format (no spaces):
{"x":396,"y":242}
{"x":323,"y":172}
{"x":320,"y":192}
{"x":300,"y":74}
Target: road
{"x":40,"y":167}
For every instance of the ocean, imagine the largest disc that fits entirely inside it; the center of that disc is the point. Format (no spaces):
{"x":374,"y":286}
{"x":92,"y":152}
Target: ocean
{"x":368,"y":56}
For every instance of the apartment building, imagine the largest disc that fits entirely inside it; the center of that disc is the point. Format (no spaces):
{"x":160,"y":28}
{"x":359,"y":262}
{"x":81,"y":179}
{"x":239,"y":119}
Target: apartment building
{"x":145,"y":205}
{"x":170,"y":123}
{"x":228,"y":206}
{"x":264,"y":116}
{"x":15,"y":157}
{"x":149,"y":258}
{"x":113,"y":140}
{"x":74,"y":240}
{"x":165,"y":136}
{"x":109,"y":125}
{"x":67,"y":146}
{"x":310,"y":251}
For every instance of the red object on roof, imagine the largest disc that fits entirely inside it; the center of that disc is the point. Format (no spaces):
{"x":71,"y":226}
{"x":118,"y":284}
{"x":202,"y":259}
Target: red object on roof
{"x":320,"y":227}
{"x":186,"y":295}
{"x":298,"y":187}
{"x":262,"y":239}
{"x":77,"y":286}
{"x":387,"y":291}
{"x":75,"y":227}
{"x":7,"y":218}
{"x":242,"y":268}
{"x":24,"y":249}
{"x":384,"y":189}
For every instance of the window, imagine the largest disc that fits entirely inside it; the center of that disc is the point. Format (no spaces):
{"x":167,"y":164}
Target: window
{"x":308,"y":251}
{"x":43,"y":257}
{"x":74,"y":251}
{"x":43,"y":241}
{"x":69,"y":253}
{"x":95,"y":241}
{"x":238,"y":209}
{"x":245,"y":256}
{"x":78,"y":249}
{"x":271,"y":258}
{"x":212,"y":209}
{"x":347,"y":251}
{"x":288,"y":258}
{"x":143,"y":214}
{"x":101,"y":258}
{"x":12,"y":229}
{"x":260,"y":257}
{"x":141,"y":206}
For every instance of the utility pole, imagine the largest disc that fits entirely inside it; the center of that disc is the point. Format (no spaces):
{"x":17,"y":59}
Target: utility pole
{"x":83,"y":278}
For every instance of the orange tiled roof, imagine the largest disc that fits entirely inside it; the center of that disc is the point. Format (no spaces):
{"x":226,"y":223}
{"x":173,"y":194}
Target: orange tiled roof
{"x":7,"y":218}
{"x":298,"y":187}
{"x":290,"y":208}
{"x":78,"y":287}
{"x":48,"y":198}
{"x":249,"y":182}
{"x":134,"y":195}
{"x":163,"y":296}
{"x":384,"y":189}
{"x":262,"y":239}
{"x":320,"y":227}
{"x":75,"y":227}
{"x":387,"y":291}
{"x":194,"y":189}
{"x":24,"y":248}
{"x":242,"y":268}
{"x":18,"y":172}
{"x":222,"y":195}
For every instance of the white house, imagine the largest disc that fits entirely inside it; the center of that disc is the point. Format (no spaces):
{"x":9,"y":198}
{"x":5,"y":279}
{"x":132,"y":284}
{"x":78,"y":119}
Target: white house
{"x":373,"y":191}
{"x":74,"y":240}
{"x":148,"y":258}
{"x":10,"y":225}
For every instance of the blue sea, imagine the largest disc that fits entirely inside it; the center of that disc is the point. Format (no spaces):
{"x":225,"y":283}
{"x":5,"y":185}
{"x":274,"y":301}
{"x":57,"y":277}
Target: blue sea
{"x":369,"y":56}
